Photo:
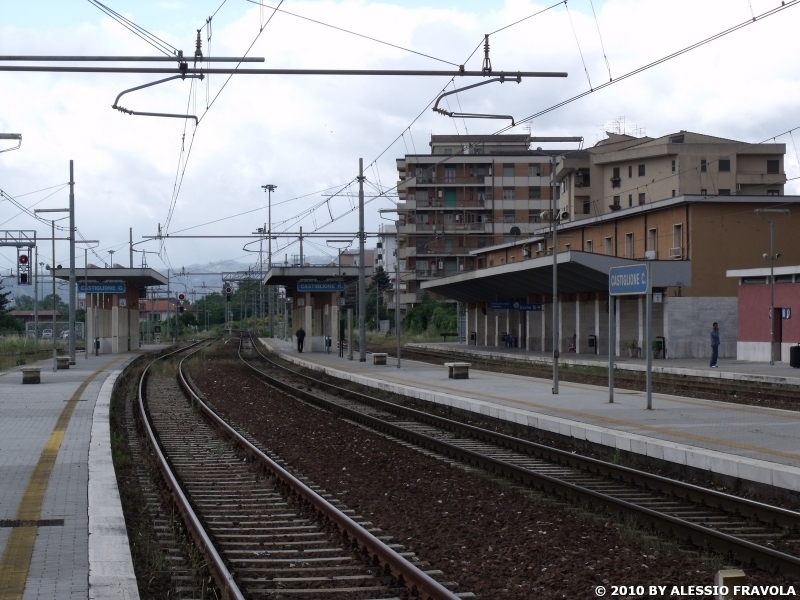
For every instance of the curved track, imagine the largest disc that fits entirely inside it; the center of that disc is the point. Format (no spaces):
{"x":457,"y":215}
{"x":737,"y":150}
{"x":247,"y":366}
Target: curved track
{"x":749,"y":530}
{"x":263,"y":532}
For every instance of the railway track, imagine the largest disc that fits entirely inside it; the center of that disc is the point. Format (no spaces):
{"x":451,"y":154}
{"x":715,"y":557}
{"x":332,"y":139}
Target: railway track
{"x":264,"y":532}
{"x":781,"y":396}
{"x":749,"y":531}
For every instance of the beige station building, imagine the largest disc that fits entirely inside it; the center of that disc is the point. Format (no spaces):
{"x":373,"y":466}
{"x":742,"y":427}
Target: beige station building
{"x":475,"y":227}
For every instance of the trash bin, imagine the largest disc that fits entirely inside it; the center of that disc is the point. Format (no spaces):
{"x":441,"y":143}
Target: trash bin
{"x":794,"y":357}
{"x":661,"y":345}
{"x":503,"y":335}
{"x":593,"y":342}
{"x":473,"y":336}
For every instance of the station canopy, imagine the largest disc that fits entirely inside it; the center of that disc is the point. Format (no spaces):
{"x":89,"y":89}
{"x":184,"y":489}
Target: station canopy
{"x":135,"y":278}
{"x":578,"y":272}
{"x":289,"y":276}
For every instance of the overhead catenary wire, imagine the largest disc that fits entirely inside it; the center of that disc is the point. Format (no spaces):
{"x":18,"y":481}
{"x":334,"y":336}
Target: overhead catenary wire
{"x":577,"y":41}
{"x":141,"y":32}
{"x":600,"y":35}
{"x":361,"y":35}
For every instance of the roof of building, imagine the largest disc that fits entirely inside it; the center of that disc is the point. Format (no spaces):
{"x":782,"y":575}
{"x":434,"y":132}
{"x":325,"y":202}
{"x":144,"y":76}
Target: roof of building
{"x":157,"y":305}
{"x":763,"y":271}
{"x":138,"y":278}
{"x":642,"y":208}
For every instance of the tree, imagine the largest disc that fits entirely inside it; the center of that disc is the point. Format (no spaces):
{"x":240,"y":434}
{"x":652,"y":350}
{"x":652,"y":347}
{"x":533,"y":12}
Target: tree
{"x":7,"y":322}
{"x":23,"y":302}
{"x":47,"y":304}
{"x":431,"y":316}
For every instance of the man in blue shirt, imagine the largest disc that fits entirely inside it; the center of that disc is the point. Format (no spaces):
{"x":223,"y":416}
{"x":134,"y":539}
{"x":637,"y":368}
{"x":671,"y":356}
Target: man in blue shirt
{"x":714,"y":345}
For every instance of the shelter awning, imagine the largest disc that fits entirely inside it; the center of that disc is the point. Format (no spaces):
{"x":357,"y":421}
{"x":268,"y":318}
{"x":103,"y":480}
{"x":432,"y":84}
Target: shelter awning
{"x":578,"y":272}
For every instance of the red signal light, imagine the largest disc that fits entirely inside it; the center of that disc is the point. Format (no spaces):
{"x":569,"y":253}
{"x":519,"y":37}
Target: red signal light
{"x":181,"y":296}
{"x":228,"y":290}
{"x":23,"y":259}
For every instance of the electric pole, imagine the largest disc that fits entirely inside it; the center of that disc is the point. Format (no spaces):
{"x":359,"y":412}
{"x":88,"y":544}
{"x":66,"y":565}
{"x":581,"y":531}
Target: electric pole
{"x":269,"y":188}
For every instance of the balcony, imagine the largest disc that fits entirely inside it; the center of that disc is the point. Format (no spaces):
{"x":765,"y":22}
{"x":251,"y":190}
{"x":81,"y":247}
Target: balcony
{"x":450,"y":180}
{"x":760,"y":178}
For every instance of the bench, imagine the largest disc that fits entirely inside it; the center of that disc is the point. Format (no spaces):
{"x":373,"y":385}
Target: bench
{"x":62,"y":362}
{"x":447,"y":335}
{"x":459,"y":370}
{"x":379,"y":358}
{"x":31,"y":375}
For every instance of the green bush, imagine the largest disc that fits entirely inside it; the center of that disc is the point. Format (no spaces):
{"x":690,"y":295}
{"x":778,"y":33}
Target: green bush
{"x":431,"y":316}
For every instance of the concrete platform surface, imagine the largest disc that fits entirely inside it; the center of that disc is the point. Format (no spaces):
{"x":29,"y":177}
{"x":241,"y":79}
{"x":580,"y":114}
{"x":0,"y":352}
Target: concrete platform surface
{"x":62,"y":533}
{"x":747,"y":442}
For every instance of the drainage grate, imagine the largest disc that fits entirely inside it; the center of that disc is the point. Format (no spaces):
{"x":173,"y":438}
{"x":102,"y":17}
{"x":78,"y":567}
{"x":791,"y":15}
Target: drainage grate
{"x":31,"y":523}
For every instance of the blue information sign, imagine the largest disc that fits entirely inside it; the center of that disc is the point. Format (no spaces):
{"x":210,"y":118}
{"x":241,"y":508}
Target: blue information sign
{"x":630,"y":279}
{"x":320,"y":286}
{"x":101,"y":287}
{"x":514,"y":305}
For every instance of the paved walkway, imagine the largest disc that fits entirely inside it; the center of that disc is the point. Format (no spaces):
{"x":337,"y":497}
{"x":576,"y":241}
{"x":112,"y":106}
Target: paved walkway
{"x":752,"y":443}
{"x":45,"y":434}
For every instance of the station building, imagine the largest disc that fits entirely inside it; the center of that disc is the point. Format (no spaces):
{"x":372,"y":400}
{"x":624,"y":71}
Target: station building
{"x":701,"y":237}
{"x":112,"y":303}
{"x":755,"y":293}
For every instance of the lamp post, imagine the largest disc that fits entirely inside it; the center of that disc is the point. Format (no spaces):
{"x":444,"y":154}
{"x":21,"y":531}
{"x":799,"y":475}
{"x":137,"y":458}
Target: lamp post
{"x":269,"y":188}
{"x":53,"y":274}
{"x":772,"y":214}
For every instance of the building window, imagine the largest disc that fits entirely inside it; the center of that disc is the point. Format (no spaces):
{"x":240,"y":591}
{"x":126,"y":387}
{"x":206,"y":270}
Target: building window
{"x":508,"y":216}
{"x":448,"y":150}
{"x":615,"y":180}
{"x":629,"y":245}
{"x":630,"y":171}
{"x":677,"y":240}
{"x":564,"y":187}
{"x":589,"y":246}
{"x":673,"y":193}
{"x":508,"y":193}
{"x":703,"y":165}
{"x":703,"y":192}
{"x":641,"y":170}
{"x":508,"y":169}
{"x":480,"y":263}
{"x":724,"y":192}
{"x":773,"y":192}
{"x":534,"y":170}
{"x":587,"y":207}
{"x":534,"y":217}
{"x":489,"y":193}
{"x":616,"y":203}
{"x":630,"y":200}
{"x":677,"y":139}
{"x":724,"y":165}
{"x":534,"y":192}
{"x":608,"y":246}
{"x":773,"y":167}
{"x":652,"y":240}
{"x":673,"y":166}
{"x":641,"y":198}
{"x":449,"y":174}
{"x":481,"y":242}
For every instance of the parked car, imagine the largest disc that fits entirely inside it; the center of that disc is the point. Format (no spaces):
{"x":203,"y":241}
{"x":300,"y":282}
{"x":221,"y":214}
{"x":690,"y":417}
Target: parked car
{"x":65,"y":335}
{"x":47,"y":334}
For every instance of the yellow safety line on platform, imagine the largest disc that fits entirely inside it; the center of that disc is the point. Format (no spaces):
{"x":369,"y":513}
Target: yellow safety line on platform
{"x":19,"y":549}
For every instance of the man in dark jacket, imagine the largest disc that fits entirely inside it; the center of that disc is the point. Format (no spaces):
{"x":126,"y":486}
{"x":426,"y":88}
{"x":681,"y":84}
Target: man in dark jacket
{"x":301,"y":335}
{"x":714,"y":345}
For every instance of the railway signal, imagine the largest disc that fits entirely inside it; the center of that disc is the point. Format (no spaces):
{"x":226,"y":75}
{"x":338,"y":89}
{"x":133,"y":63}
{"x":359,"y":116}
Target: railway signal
{"x":228,"y":291}
{"x":23,"y":269}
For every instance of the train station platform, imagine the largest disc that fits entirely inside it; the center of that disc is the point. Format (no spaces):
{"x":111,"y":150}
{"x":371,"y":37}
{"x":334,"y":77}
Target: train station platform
{"x":62,"y":532}
{"x":748,"y":443}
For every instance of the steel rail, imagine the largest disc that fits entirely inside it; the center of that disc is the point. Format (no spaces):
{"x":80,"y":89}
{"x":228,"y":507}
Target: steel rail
{"x":220,"y":572}
{"x":698,"y":534}
{"x":218,"y":71}
{"x":408,"y":574}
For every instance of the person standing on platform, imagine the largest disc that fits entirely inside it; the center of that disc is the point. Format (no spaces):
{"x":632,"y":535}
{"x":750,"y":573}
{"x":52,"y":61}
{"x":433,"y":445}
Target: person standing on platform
{"x":714,"y":345}
{"x":301,"y":335}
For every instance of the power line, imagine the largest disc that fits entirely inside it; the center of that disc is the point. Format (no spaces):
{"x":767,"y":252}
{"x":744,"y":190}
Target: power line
{"x":361,"y":35}
{"x":148,"y":37}
{"x":600,"y":35}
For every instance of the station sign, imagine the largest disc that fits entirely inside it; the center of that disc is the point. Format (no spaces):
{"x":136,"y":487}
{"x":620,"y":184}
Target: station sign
{"x":515,"y":306}
{"x":102,"y":287}
{"x":628,"y":280}
{"x":312,"y":285}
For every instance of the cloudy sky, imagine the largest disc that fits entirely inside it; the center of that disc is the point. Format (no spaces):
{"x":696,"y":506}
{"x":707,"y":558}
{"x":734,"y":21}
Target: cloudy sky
{"x":305,"y":134}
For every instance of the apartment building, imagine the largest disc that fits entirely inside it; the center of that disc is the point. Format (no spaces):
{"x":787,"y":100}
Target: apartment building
{"x":470,"y":192}
{"x":623,"y":171}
